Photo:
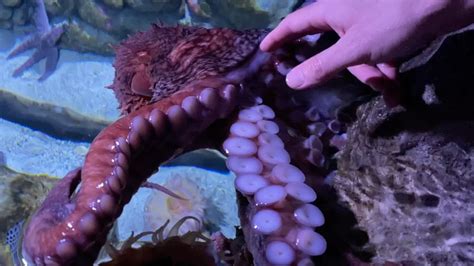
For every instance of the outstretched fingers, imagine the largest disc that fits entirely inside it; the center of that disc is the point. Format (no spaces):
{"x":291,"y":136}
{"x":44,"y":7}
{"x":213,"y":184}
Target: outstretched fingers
{"x":347,"y":51}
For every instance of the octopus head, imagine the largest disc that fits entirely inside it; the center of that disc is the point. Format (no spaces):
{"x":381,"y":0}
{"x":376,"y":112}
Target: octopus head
{"x":154,"y":64}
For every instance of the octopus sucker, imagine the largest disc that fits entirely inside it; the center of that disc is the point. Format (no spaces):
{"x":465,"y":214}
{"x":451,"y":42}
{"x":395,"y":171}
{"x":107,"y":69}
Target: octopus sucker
{"x":282,"y":211}
{"x":184,"y":87}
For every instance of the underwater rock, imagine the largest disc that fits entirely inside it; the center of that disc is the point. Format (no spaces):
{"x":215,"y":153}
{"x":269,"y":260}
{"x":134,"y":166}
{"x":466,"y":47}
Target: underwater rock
{"x":97,"y":25}
{"x":444,"y":70}
{"x":199,"y":8}
{"x":410,"y":188}
{"x":94,"y":14}
{"x":407,"y":173}
{"x":82,"y":37}
{"x":20,"y":15}
{"x":4,"y":256}
{"x":6,"y":24}
{"x":5,"y":12}
{"x":114,"y":3}
{"x":129,"y":21}
{"x":20,"y":195}
{"x":154,"y":5}
{"x":59,"y":7}
{"x":11,"y":3}
{"x":251,"y":13}
{"x":59,"y":122}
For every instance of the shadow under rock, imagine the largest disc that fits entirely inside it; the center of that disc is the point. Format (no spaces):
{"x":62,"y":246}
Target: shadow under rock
{"x":340,"y":231}
{"x":438,"y":87}
{"x":446,"y":80}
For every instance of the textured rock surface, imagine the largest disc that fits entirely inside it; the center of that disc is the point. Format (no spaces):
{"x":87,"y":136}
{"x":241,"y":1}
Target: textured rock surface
{"x":93,"y":13}
{"x":20,"y":195}
{"x":96,"y":25}
{"x":82,"y":37}
{"x":249,"y":13}
{"x":114,"y":3}
{"x":408,"y":173}
{"x":412,"y":191}
{"x":59,"y":7}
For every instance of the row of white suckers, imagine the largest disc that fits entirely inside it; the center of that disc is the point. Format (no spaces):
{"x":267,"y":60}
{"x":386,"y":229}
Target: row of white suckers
{"x":284,"y":211}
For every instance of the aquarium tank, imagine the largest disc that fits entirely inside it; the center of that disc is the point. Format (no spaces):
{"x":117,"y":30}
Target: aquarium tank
{"x":157,"y":132}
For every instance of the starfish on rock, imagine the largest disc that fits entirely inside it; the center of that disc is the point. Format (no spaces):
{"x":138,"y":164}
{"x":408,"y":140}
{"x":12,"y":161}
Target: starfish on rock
{"x":44,"y":40}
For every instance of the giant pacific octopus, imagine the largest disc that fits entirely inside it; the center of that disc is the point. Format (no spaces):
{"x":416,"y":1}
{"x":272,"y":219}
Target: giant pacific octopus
{"x":182,"y":88}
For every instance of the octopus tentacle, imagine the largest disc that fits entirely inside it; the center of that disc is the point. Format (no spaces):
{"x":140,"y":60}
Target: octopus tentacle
{"x":110,"y":176}
{"x":280,"y":212}
{"x":172,"y":83}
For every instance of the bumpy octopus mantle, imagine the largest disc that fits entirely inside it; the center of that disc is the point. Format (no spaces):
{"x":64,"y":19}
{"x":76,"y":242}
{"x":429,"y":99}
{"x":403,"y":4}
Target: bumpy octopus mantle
{"x":182,"y":88}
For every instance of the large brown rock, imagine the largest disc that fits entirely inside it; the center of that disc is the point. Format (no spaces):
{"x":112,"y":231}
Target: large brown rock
{"x":412,"y":190}
{"x":20,"y":195}
{"x":408,"y":173}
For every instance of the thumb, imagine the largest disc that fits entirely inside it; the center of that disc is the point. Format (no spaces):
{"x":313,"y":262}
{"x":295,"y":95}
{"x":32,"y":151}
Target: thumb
{"x":347,"y":51}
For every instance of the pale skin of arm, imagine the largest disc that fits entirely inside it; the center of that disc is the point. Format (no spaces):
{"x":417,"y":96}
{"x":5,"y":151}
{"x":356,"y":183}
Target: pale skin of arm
{"x":374,"y":34}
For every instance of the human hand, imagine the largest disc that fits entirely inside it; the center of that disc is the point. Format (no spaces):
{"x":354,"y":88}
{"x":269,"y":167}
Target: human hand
{"x":373,"y":35}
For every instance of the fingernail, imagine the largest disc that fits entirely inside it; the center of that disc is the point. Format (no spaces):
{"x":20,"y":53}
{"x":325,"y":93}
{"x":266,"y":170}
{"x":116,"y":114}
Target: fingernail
{"x":295,"y":79}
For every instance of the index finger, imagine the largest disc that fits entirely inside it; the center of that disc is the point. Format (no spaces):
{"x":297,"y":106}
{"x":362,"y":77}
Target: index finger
{"x":304,"y":21}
